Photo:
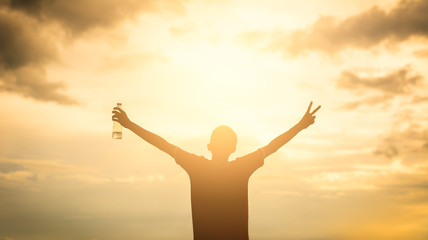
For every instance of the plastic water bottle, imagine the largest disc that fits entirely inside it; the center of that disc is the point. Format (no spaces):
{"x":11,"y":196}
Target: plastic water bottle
{"x":117,"y":128}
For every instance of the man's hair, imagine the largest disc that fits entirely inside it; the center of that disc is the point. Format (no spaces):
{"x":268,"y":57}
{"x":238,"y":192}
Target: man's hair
{"x":224,"y":135}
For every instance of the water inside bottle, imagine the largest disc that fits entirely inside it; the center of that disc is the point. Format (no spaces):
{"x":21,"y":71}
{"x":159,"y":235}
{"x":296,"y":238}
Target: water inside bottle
{"x":117,"y":135}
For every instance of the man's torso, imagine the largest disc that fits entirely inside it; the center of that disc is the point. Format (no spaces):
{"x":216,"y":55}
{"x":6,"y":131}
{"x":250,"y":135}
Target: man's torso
{"x":219,"y":193}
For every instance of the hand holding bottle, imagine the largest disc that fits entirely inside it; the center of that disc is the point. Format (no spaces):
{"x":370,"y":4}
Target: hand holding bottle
{"x":119,"y":115}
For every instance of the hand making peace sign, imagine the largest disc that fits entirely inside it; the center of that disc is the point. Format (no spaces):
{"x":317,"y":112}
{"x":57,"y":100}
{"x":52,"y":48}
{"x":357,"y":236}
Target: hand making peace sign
{"x":309,"y":117}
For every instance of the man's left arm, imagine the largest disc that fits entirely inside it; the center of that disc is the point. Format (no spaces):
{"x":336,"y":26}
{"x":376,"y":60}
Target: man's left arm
{"x":307,"y":120}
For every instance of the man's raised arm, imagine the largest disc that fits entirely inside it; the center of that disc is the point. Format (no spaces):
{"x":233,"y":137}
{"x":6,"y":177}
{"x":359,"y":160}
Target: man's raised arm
{"x":120,"y":116}
{"x":282,"y":139}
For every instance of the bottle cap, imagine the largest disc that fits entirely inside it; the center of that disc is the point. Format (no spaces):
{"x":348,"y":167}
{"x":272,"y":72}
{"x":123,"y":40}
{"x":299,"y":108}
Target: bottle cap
{"x":119,"y":104}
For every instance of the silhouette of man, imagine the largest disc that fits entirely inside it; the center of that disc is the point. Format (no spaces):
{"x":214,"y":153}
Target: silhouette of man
{"x":219,"y":188}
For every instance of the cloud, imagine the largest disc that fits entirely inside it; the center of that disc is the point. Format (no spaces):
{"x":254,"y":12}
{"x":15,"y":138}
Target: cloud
{"x":19,"y":45}
{"x":407,"y":143}
{"x":31,"y":81}
{"x":81,"y":15}
{"x":36,"y":166}
{"x":423,"y":53}
{"x":18,"y":176}
{"x":91,"y":179}
{"x":29,"y":38}
{"x":24,"y":49}
{"x":385,"y":87}
{"x":21,"y":170}
{"x":344,"y":180}
{"x":6,"y":167}
{"x":419,"y":99}
{"x":370,"y":101}
{"x":397,"y":82}
{"x":407,"y":138}
{"x":365,"y":30}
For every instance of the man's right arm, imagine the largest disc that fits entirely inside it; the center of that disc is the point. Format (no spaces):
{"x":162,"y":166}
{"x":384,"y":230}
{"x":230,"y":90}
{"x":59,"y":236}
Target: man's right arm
{"x":120,"y":116}
{"x":153,"y":139}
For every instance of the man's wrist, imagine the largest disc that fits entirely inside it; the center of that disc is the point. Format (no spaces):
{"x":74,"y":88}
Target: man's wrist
{"x":129,"y":124}
{"x":300,"y":126}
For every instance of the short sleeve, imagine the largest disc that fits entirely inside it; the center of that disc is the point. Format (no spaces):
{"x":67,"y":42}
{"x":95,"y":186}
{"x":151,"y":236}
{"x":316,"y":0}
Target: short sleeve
{"x":185,"y":159}
{"x":252,"y":161}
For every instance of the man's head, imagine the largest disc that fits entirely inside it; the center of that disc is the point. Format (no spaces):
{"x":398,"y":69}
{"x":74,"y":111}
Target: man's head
{"x":223,"y":141}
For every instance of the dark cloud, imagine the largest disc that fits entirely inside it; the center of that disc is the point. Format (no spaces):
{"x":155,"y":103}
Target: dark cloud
{"x":82,"y":15}
{"x":24,"y":49}
{"x":385,"y":87}
{"x":27,"y":42}
{"x":367,"y":29}
{"x":22,"y":41}
{"x":31,"y":82}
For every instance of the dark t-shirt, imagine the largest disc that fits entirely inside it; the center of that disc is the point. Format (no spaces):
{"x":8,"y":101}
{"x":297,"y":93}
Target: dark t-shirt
{"x":219,"y":193}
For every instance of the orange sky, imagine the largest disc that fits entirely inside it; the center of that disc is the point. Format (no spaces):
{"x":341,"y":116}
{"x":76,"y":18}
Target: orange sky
{"x":181,"y":68}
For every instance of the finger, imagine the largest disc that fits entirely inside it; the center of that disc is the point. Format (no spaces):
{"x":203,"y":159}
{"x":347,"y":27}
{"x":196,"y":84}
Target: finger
{"x":309,"y":108}
{"x":315,"y":110}
{"x":118,"y":109}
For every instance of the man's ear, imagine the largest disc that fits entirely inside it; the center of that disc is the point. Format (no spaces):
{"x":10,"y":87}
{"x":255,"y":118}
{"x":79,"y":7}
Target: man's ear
{"x":209,"y":147}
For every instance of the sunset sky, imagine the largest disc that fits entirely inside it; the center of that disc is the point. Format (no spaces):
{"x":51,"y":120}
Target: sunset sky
{"x":183,"y":67}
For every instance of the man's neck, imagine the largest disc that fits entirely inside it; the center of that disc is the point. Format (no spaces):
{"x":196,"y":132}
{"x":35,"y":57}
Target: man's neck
{"x":220,"y":158}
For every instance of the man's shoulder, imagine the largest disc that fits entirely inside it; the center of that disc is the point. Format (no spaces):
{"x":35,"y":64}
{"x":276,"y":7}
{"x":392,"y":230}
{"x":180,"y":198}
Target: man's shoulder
{"x":256,"y":155}
{"x":182,"y":154}
{"x":188,"y":160}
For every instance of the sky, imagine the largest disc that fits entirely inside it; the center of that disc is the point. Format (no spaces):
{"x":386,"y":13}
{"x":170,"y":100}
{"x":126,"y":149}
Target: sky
{"x":183,"y":67}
